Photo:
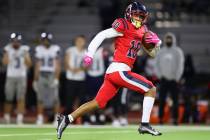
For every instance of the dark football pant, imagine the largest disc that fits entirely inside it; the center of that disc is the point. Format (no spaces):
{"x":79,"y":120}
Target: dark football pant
{"x":166,"y":87}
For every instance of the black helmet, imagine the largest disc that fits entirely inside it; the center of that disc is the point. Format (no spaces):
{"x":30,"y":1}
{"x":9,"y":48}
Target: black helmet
{"x":136,"y":8}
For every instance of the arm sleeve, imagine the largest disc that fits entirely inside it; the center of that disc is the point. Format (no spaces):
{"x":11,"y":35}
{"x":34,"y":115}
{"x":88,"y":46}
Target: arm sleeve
{"x":180,"y":64}
{"x":99,"y":38}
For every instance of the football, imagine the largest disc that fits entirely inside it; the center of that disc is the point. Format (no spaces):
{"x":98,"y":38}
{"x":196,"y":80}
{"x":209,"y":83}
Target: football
{"x":147,"y":46}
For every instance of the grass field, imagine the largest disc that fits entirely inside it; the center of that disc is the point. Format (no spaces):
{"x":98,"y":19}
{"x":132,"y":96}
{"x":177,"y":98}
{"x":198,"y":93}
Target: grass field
{"x":46,"y":132}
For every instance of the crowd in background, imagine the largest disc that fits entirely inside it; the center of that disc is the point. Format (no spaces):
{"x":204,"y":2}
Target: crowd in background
{"x":51,"y":82}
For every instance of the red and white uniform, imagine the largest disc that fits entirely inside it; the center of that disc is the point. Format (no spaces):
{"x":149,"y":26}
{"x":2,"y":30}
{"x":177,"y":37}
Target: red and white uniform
{"x":127,"y":44}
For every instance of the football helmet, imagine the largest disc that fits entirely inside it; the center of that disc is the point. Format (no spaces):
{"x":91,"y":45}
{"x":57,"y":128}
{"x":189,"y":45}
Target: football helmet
{"x":46,"y":39}
{"x":47,"y":36}
{"x":15,"y":37}
{"x":136,"y":13}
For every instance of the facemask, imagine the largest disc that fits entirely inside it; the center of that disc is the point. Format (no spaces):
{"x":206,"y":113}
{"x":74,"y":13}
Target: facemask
{"x":136,"y":23}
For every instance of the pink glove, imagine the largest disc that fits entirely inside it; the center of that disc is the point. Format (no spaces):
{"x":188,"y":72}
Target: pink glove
{"x":87,"y":60}
{"x":152,"y":38}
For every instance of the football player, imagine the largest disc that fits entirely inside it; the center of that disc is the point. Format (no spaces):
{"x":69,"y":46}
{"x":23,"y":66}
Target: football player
{"x":95,"y":75}
{"x":128,"y":33}
{"x":17,"y":59}
{"x":75,"y":73}
{"x":46,"y":76}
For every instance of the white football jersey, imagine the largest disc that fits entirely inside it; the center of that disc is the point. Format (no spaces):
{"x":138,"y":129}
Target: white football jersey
{"x":16,"y":66}
{"x":47,"y":57}
{"x":75,"y":62}
{"x":98,"y":67}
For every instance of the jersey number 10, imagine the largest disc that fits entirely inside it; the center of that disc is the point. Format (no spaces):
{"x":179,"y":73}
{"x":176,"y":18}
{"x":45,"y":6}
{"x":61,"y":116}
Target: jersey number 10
{"x":135,"y":46}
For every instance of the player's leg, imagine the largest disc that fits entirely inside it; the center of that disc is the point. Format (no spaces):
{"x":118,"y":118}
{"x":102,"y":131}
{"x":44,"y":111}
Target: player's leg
{"x":40,"y":98}
{"x":175,"y":95}
{"x":9,"y":93}
{"x":106,"y":92}
{"x":162,"y":99}
{"x":124,"y":105}
{"x":56,"y":104}
{"x":21,"y":90}
{"x":70,"y":96}
{"x":140,"y":84}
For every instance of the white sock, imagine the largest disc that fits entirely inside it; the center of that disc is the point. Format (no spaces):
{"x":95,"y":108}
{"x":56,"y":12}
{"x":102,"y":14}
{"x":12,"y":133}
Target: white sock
{"x":147,"y":108}
{"x":19,"y":117}
{"x":71,"y":119}
{"x":40,"y":117}
{"x":55,"y":117}
{"x":7,"y":117}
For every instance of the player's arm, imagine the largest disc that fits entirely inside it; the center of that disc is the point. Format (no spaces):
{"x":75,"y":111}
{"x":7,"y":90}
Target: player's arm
{"x":66,"y":62}
{"x":27,"y":59}
{"x":5,"y":59}
{"x":37,"y":69}
{"x":36,"y":74}
{"x":99,"y":38}
{"x":116,"y":31}
{"x":57,"y":69}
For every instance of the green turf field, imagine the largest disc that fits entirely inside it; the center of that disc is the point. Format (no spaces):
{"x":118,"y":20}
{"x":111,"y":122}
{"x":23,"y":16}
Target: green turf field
{"x":46,"y":132}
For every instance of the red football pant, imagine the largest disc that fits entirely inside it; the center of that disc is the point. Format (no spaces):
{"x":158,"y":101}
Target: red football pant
{"x":114,"y":81}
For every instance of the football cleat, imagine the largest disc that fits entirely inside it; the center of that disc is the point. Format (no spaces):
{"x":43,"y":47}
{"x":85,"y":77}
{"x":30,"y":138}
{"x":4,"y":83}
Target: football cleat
{"x":147,"y":129}
{"x":63,"y":122}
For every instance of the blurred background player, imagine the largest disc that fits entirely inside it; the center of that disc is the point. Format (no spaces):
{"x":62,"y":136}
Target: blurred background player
{"x":128,"y":33}
{"x":170,"y":66}
{"x":46,"y":76}
{"x":17,"y":59}
{"x":75,"y":74}
{"x":94,"y":81}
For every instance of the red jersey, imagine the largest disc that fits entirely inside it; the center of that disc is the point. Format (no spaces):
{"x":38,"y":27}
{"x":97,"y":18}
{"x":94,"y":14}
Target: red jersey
{"x":127,"y":46}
